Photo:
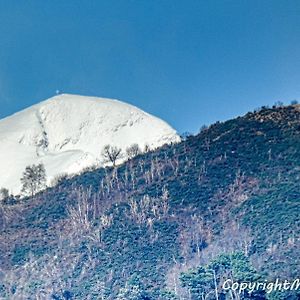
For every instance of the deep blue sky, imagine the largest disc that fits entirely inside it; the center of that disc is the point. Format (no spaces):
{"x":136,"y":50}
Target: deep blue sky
{"x":188,"y":62}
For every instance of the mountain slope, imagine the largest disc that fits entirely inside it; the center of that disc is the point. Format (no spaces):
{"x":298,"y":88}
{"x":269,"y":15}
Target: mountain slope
{"x":233,"y":187}
{"x":68,"y":132}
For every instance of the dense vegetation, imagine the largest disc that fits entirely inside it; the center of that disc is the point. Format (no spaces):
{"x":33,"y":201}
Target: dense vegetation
{"x":167,"y":224}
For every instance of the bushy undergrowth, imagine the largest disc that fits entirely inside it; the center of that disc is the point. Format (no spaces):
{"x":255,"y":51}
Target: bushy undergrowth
{"x":134,"y":230}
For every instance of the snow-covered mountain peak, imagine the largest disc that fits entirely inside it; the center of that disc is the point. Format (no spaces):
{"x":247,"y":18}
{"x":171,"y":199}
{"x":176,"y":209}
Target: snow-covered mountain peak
{"x":67,"y":133}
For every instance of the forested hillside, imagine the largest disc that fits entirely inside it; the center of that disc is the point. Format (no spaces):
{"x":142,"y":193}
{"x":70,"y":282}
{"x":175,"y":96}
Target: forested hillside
{"x":168,"y":224}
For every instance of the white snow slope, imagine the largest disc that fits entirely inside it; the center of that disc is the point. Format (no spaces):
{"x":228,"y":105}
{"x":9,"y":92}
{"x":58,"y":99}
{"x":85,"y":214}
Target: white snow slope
{"x":68,"y":132}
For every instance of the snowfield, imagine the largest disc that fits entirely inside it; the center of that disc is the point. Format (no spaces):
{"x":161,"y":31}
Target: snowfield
{"x":68,"y":132}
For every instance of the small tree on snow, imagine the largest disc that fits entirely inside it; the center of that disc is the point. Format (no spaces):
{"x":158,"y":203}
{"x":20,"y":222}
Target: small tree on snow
{"x":4,"y":193}
{"x":33,"y":179}
{"x":111,"y":154}
{"x":133,"y":151}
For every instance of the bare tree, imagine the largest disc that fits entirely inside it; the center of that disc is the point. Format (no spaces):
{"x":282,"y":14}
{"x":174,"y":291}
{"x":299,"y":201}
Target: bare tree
{"x":111,"y":154}
{"x":133,"y":151}
{"x":33,"y":179}
{"x":207,"y":143}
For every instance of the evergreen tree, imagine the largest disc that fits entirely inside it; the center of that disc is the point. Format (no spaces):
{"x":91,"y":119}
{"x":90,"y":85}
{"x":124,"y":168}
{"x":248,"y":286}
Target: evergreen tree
{"x":199,"y":282}
{"x":205,"y":282}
